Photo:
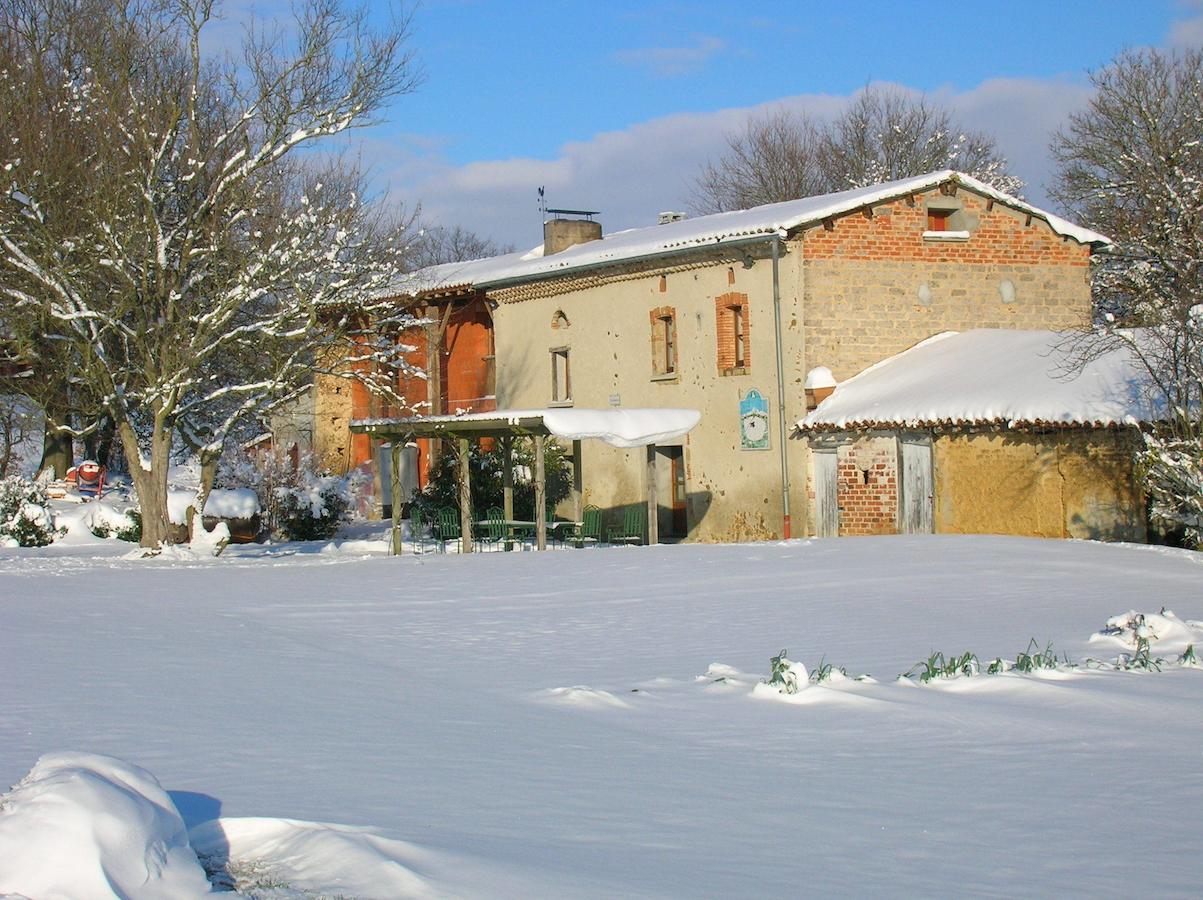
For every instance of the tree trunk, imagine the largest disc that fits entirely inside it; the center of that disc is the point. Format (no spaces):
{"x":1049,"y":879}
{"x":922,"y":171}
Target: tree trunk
{"x":58,"y":451}
{"x":150,"y":484}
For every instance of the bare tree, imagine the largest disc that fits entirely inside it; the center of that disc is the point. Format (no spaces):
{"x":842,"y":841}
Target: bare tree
{"x":774,"y":158}
{"x":1131,"y":166}
{"x":439,"y":244}
{"x":885,"y":134}
{"x":160,"y":231}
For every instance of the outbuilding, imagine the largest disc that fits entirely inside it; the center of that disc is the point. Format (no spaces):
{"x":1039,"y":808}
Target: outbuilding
{"x":988,"y":431}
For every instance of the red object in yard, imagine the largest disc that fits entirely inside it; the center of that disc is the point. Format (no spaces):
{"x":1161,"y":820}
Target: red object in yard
{"x":88,"y":478}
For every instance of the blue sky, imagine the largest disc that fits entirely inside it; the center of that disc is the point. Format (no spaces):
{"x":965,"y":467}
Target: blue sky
{"x":614,"y":105}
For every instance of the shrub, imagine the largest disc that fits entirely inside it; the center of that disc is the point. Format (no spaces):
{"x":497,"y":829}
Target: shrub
{"x":311,"y":512}
{"x":25,"y":516}
{"x":298,"y":500}
{"x":485,"y":474}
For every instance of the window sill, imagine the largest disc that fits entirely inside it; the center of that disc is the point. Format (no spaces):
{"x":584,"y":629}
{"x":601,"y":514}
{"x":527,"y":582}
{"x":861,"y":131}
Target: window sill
{"x":738,"y":370}
{"x":559,"y":404}
{"x":667,"y":377}
{"x":950,"y":236}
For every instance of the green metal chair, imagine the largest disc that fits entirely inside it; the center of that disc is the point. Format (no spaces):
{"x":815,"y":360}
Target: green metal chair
{"x":419,"y":530}
{"x":494,"y":530}
{"x":634,"y":526}
{"x":590,"y":529}
{"x":447,"y":528}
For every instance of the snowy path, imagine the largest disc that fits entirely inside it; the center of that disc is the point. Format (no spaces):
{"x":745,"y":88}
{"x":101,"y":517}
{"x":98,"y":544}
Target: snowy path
{"x":417,"y":696}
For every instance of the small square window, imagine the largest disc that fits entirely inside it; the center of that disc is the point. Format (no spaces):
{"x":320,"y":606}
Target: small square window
{"x":939,"y":219}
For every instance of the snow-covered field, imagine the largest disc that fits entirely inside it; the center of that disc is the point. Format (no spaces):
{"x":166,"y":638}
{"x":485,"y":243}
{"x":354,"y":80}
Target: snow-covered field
{"x":543,"y":725}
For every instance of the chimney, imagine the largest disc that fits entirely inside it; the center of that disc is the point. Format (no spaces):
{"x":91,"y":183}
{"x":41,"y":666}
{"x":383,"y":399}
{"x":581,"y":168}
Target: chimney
{"x":819,"y":385}
{"x":560,"y":233}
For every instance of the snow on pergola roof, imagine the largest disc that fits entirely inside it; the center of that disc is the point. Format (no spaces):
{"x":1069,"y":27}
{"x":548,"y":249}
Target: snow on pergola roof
{"x":617,"y":427}
{"x":717,"y":230}
{"x":992,"y":376}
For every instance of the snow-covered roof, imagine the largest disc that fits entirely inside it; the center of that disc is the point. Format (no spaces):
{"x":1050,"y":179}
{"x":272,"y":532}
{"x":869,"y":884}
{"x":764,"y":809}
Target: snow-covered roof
{"x":719,"y":229}
{"x":617,"y":427}
{"x":992,"y":376}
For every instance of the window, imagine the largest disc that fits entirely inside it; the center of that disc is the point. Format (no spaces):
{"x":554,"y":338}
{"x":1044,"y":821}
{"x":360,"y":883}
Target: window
{"x":732,"y":319}
{"x":948,"y":223}
{"x":737,"y":326}
{"x":664,"y":342}
{"x":938,"y":219}
{"x":561,"y":379}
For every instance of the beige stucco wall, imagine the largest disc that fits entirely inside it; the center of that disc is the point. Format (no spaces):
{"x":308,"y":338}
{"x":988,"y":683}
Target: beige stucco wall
{"x":733,"y":494}
{"x":1064,"y":484}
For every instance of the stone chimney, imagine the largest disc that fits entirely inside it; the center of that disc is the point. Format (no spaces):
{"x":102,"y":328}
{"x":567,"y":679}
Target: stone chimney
{"x":819,"y":385}
{"x":560,"y":234}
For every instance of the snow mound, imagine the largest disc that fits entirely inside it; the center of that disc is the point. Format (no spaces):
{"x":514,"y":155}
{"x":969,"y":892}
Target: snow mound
{"x":582,"y":696}
{"x":232,"y":503}
{"x":1164,"y":631}
{"x":82,"y":825}
{"x":312,"y":857}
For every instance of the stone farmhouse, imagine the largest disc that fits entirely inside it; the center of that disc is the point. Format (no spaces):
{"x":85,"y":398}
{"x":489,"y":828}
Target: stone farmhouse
{"x":727,"y":314}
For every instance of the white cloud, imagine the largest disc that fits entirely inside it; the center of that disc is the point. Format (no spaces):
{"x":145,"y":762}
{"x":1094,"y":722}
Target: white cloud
{"x":670,"y":62}
{"x":634,"y":173}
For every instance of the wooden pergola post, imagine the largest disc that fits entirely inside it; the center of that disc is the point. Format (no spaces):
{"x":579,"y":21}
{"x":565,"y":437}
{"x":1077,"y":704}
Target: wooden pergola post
{"x":465,"y":499}
{"x":653,"y":513}
{"x":540,"y":495}
{"x":395,"y":485}
{"x":507,"y":477}
{"x":578,"y":493}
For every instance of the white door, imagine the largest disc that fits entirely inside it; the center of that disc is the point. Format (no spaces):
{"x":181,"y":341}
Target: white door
{"x":827,"y":509}
{"x":915,"y":504}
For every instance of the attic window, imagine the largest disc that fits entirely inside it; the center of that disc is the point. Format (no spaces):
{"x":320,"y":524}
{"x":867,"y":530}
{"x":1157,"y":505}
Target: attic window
{"x":937,"y":219}
{"x":948,"y":223}
{"x":559,"y":320}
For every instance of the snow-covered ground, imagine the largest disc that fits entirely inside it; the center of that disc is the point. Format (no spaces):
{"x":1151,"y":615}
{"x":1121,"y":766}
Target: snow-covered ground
{"x":587,"y":723}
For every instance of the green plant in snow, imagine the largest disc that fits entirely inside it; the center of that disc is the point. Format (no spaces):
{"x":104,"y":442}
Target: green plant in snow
{"x":25,"y":517}
{"x":1142,"y":659}
{"x":939,"y":666}
{"x":1034,"y":659}
{"x":824,"y":671}
{"x":997,"y":667}
{"x":781,"y":673}
{"x":1188,"y":657}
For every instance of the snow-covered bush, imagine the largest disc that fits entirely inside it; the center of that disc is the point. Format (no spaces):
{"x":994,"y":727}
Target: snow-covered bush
{"x":25,"y":517}
{"x":1172,"y":474}
{"x":299,"y":501}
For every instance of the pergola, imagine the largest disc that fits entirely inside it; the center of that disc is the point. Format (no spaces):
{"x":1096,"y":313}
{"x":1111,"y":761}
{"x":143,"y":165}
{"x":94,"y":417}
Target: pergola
{"x":617,"y":427}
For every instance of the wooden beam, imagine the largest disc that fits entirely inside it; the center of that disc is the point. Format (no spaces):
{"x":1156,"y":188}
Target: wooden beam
{"x":653,"y":512}
{"x":540,"y":495}
{"x":465,"y":498}
{"x":395,"y":485}
{"x":507,"y":477}
{"x":578,"y":493}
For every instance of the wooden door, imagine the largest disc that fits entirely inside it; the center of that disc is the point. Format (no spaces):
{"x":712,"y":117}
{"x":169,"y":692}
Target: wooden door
{"x":915,"y":502}
{"x":680,"y":521}
{"x":827,"y":509}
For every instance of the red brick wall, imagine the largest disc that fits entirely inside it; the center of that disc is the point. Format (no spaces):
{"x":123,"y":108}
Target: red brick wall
{"x":895,"y":232}
{"x":867,"y":484}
